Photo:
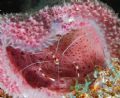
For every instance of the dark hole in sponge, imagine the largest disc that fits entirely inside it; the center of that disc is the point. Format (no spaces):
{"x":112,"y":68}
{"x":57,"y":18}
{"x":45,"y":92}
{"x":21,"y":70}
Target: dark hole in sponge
{"x":83,"y":67}
{"x":89,"y":66}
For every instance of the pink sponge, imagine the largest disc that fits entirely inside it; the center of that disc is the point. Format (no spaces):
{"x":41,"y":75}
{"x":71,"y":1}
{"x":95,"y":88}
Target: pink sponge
{"x":47,"y":51}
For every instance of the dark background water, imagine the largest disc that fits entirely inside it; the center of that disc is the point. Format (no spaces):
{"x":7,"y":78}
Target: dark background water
{"x":13,"y":6}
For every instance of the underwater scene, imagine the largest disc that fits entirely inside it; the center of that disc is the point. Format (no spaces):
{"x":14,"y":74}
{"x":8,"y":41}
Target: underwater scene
{"x":60,"y":49}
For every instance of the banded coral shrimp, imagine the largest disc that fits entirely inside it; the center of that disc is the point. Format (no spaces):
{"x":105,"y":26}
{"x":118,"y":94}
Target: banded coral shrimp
{"x":74,"y":58}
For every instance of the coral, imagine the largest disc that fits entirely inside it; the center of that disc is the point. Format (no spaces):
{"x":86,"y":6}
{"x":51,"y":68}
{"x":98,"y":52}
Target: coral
{"x":106,"y":84}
